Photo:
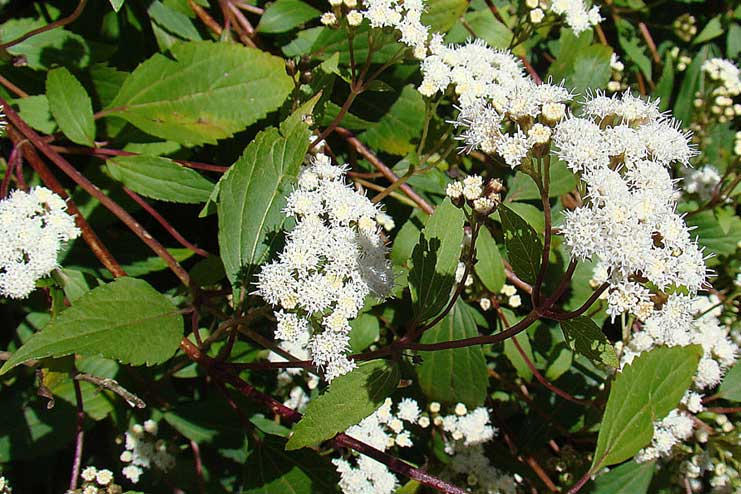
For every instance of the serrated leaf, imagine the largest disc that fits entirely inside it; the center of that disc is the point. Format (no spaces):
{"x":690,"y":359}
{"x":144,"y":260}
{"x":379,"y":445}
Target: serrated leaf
{"x":629,"y":478}
{"x":348,"y":400}
{"x":400,"y":125}
{"x":252,"y":193}
{"x":435,"y":260}
{"x":489,"y":266}
{"x":586,"y":338}
{"x":160,"y":178}
{"x":524,"y":248}
{"x":454,"y":375}
{"x":126,"y":320}
{"x":172,"y":21}
{"x":730,"y":388}
{"x":642,"y":393}
{"x":71,"y":106}
{"x":270,"y":469}
{"x":284,"y":15}
{"x":209,"y":92}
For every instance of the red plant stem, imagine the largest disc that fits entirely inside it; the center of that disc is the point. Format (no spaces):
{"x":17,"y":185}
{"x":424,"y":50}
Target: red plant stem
{"x":13,"y":88}
{"x":105,"y":152}
{"x":582,"y":481}
{"x":724,"y":409}
{"x":59,"y":23}
{"x":206,"y":18}
{"x":79,"y":437}
{"x":292,"y":416}
{"x":88,"y":235}
{"x":562,"y":316}
{"x":198,"y":466}
{"x":649,"y":41}
{"x":541,"y":379}
{"x":94,"y":191}
{"x":165,"y":224}
{"x":531,"y":70}
{"x":381,"y":167}
{"x":13,"y":164}
{"x":533,"y":463}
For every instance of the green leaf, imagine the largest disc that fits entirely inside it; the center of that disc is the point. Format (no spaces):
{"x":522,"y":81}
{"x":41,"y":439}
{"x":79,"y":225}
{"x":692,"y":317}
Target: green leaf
{"x":586,"y":338}
{"x":524,"y":248}
{"x":440,"y":15}
{"x":209,"y":421}
{"x":347,"y":401}
{"x":57,"y":47}
{"x":628,"y":478}
{"x":711,"y":234}
{"x":628,"y":39}
{"x":270,"y":469}
{"x":406,"y":238}
{"x":712,"y":30}
{"x":160,"y":178}
{"x":733,"y":41}
{"x":117,"y":4}
{"x":665,"y":86}
{"x":591,"y":69}
{"x":126,"y":320}
{"x":284,"y":15}
{"x":515,"y":357}
{"x":643,"y":392}
{"x":683,"y":106}
{"x":209,"y":92}
{"x":522,"y":187}
{"x":730,"y":388}
{"x":486,"y":27}
{"x":435,"y":260}
{"x":365,"y":330}
{"x":454,"y":375}
{"x":569,"y":48}
{"x":489,"y":266}
{"x":172,"y":21}
{"x":71,"y":106}
{"x":35,"y":111}
{"x":252,"y":193}
{"x":400,"y":125}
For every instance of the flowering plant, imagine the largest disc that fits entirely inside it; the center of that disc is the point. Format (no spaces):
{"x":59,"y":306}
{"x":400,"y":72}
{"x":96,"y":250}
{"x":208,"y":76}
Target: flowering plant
{"x":370,"y":246}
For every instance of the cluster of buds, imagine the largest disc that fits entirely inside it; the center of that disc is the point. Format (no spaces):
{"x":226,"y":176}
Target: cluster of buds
{"x":96,"y":481}
{"x":617,"y":83}
{"x":682,"y":60}
{"x":536,"y":14}
{"x":715,"y":469}
{"x":483,"y":198}
{"x":342,"y":8}
{"x":737,"y":144}
{"x":685,"y":27}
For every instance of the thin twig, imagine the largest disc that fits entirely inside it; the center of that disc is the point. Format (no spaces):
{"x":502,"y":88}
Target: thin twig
{"x":59,"y":23}
{"x":13,"y":88}
{"x":381,"y":167}
{"x":79,"y":437}
{"x":165,"y":224}
{"x":100,"y":251}
{"x":112,"y":385}
{"x":649,"y":41}
{"x":204,"y":16}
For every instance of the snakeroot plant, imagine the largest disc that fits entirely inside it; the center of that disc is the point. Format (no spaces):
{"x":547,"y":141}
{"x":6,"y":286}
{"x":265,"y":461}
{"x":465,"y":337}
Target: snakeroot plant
{"x":370,"y":246}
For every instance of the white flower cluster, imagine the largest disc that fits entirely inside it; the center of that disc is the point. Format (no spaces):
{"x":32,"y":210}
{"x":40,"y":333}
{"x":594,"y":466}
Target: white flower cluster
{"x":465,"y":428}
{"x":382,"y":430}
{"x":143,"y":449}
{"x":701,"y":181}
{"x":482,"y":197}
{"x":578,"y":18}
{"x":480,"y":475}
{"x":675,"y":325}
{"x":333,"y":259}
{"x":723,"y":476}
{"x":5,"y":486}
{"x":403,"y":15}
{"x":621,"y":149}
{"x":726,"y":73}
{"x":96,"y":481}
{"x":33,"y":227}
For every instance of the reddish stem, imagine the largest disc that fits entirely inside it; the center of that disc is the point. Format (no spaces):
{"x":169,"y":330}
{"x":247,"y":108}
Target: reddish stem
{"x":94,"y":191}
{"x":104,"y":153}
{"x":88,"y":234}
{"x":165,"y":224}
{"x":61,"y":22}
{"x":79,"y":437}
